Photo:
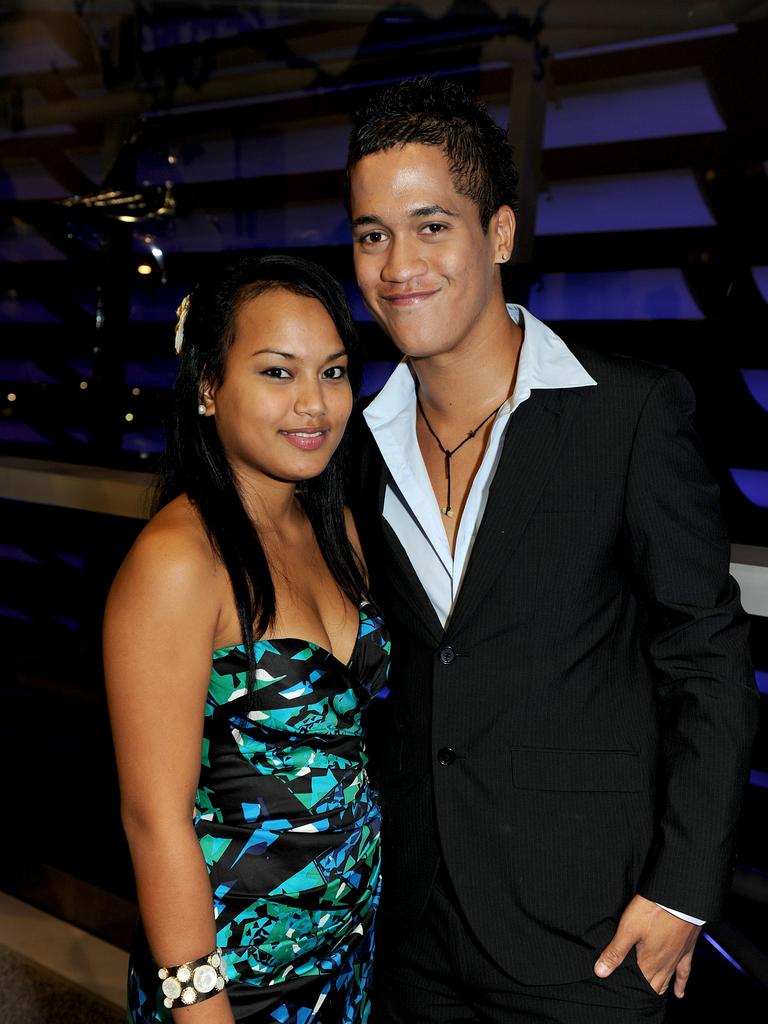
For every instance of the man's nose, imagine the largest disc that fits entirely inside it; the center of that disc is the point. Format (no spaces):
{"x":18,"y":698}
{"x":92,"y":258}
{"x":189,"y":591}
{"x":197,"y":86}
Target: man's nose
{"x":404,"y":261}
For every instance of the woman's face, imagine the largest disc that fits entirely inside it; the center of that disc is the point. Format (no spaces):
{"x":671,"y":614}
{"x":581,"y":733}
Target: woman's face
{"x":284,"y":402}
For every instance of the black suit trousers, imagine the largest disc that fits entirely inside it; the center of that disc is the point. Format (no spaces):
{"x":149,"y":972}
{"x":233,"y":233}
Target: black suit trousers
{"x":438,"y":973}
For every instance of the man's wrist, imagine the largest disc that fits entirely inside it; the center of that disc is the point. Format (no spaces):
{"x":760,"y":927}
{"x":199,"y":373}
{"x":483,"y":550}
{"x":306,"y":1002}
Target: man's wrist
{"x":681,"y":915}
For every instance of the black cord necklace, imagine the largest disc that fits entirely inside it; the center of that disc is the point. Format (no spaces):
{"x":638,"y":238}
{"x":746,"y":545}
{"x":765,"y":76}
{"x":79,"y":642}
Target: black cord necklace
{"x":448,"y":511}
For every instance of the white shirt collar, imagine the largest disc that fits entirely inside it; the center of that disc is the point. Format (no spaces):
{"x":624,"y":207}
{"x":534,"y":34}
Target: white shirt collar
{"x":545,"y":362}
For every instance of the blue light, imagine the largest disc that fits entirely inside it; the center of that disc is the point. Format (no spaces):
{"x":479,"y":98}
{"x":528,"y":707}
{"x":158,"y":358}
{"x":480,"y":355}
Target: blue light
{"x":83,"y":369}
{"x":73,"y":560}
{"x":654,"y":294}
{"x":23,"y":433}
{"x":21,"y":309}
{"x":62,"y":620}
{"x":761,"y":678}
{"x":148,"y":440}
{"x":647,"y":110}
{"x":758,"y":778}
{"x":304,"y":91}
{"x":636,"y":44}
{"x":360,"y":312}
{"x":157,"y":372}
{"x":14,"y":613}
{"x":757,"y":382}
{"x":760,"y":275}
{"x":15,"y":553}
{"x":622,"y":202}
{"x":753,"y":484}
{"x":723,"y":953}
{"x":24,"y":371}
{"x":375,"y":376}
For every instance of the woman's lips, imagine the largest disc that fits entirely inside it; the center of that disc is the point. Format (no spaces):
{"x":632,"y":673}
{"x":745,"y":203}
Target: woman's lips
{"x":307,"y":440}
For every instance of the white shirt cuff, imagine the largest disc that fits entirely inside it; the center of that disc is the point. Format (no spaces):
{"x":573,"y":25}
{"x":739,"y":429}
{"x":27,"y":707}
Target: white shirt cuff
{"x":683,"y":917}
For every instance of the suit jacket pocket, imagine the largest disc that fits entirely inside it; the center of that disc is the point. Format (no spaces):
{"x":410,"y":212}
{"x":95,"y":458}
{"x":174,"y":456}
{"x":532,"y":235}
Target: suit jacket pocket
{"x":573,"y":771}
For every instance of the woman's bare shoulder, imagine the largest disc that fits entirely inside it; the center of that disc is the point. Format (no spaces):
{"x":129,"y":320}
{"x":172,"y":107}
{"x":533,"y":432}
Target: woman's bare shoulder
{"x":173,"y":551}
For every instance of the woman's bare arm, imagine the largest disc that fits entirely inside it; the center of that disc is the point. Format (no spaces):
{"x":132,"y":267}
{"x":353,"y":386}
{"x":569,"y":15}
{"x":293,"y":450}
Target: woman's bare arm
{"x":159,"y":626}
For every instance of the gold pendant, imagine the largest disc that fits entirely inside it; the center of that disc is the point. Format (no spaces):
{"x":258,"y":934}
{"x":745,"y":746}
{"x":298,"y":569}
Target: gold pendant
{"x":447,"y":512}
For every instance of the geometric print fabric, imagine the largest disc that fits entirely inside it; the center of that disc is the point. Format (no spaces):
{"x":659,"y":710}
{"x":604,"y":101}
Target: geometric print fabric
{"x":289,"y":828}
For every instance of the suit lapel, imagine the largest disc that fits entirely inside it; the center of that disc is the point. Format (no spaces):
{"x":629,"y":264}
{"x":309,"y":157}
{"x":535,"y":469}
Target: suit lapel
{"x":420,"y":615}
{"x":397,"y":569}
{"x":532,"y":443}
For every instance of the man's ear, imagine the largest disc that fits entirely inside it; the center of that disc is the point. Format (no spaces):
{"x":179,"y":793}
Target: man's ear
{"x":503,"y":225}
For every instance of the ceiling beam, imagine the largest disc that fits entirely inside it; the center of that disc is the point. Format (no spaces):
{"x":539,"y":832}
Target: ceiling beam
{"x":599,"y":67}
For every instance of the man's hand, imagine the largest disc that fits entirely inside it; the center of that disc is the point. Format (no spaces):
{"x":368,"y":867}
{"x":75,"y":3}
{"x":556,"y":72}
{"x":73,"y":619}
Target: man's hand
{"x":664,"y":945}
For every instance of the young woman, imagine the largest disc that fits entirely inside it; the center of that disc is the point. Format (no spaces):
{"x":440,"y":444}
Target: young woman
{"x":240,"y":651}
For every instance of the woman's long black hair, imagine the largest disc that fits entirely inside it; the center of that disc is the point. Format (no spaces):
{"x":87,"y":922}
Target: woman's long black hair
{"x":195,"y":462}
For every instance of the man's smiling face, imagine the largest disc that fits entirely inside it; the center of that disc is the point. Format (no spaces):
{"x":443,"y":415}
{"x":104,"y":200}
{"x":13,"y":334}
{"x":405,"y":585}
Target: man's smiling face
{"x":426,"y":269}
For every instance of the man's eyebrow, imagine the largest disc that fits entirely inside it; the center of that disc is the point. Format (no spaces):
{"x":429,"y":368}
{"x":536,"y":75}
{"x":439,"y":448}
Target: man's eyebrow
{"x":433,"y":210}
{"x":430,"y":211}
{"x":367,"y":219}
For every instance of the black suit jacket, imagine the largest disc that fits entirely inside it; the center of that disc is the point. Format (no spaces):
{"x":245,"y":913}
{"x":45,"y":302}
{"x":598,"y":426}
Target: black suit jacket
{"x":592,"y":694}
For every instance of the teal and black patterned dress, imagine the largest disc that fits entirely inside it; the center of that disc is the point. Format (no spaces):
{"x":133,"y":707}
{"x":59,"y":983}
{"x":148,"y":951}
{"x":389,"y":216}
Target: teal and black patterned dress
{"x":289,"y":828}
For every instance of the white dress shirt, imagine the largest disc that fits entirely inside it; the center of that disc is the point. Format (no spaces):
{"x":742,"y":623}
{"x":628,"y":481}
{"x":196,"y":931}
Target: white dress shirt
{"x":410,"y":505}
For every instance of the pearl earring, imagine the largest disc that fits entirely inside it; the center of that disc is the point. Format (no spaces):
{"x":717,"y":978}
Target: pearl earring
{"x":201,"y":409}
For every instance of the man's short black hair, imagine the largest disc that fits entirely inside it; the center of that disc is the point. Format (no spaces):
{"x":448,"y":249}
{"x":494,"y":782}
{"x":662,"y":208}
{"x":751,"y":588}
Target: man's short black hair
{"x":440,"y":112}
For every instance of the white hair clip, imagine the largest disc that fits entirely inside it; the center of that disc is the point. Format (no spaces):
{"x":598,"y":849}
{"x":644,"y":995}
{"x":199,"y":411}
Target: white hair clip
{"x":181,"y":314}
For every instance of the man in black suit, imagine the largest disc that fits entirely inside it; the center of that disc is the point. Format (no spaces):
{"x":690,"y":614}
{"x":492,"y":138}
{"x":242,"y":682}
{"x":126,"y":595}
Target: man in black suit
{"x":564,"y":749}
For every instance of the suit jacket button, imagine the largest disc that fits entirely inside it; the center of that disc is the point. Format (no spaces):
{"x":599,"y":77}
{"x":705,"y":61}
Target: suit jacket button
{"x":446,"y":755}
{"x":447,"y":655}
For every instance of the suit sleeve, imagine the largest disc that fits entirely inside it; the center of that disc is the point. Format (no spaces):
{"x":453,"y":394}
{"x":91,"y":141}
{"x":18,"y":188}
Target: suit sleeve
{"x":696,"y":644}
